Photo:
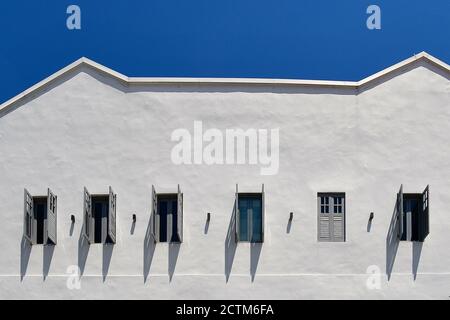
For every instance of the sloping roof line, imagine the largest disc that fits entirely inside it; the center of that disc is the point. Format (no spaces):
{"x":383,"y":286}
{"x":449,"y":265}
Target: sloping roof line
{"x":248,"y":81}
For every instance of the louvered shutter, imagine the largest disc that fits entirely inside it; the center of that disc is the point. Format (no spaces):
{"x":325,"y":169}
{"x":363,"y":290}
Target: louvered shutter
{"x":28,"y":217}
{"x":51,"y":217}
{"x":112,"y":215}
{"x":262,"y":213}
{"x":180,"y":214}
{"x":400,"y":211}
{"x":236,"y":214}
{"x":324,"y":218}
{"x":155,"y":218}
{"x":338,"y":218}
{"x":424,"y":227}
{"x":88,"y":219}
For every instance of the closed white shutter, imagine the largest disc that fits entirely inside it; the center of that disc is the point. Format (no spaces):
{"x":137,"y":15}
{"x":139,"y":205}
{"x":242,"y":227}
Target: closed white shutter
{"x":88,"y":219}
{"x":324,"y":218}
{"x":112,"y":215}
{"x":180,"y":214}
{"x":28,"y":217}
{"x":154,"y":217}
{"x":51,"y":217}
{"x":236,"y":214}
{"x":338,"y":210}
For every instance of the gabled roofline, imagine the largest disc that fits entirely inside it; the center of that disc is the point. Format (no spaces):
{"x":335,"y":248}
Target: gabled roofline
{"x":247,"y":81}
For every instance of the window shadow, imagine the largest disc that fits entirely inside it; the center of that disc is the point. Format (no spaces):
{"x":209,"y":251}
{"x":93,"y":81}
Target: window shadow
{"x":392,"y":242}
{"x":107,"y":254}
{"x":25,"y":252}
{"x":148,"y":249}
{"x":47,"y":259}
{"x":230,"y":244}
{"x":83,"y":251}
{"x":174,"y":249}
{"x":255,"y":253}
{"x":416,"y":252}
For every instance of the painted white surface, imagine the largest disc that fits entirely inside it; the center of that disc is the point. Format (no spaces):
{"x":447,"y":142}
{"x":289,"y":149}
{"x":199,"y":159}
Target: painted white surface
{"x":91,"y":130}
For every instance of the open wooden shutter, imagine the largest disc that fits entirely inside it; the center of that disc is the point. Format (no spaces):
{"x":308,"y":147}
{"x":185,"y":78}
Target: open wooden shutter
{"x":28,"y":217}
{"x":262,"y":213}
{"x":237,"y":215}
{"x":112,"y":215}
{"x":401,"y":216}
{"x":180,"y":214}
{"x":88,"y":219}
{"x":424,"y":220}
{"x":51,"y":218}
{"x":154,"y":217}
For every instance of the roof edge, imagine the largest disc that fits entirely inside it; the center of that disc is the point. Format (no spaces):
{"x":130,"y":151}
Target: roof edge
{"x":249,"y":81}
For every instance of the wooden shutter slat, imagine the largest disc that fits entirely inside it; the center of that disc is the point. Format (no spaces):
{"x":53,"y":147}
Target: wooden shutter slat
{"x":236,"y":214}
{"x":87,"y":212}
{"x":424,"y":220}
{"x":262,"y":213}
{"x":400,"y":211}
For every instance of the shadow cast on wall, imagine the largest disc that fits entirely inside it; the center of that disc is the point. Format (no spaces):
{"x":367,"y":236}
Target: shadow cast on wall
{"x":255,"y":253}
{"x":174,"y":250}
{"x":230,"y":244}
{"x":148,"y":249}
{"x":392,"y":242}
{"x":416,"y":253}
{"x":107,"y":255}
{"x":83,"y":250}
{"x":25,"y":252}
{"x":47,"y":259}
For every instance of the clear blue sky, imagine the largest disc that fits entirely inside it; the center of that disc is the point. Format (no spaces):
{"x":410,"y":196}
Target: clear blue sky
{"x":308,"y":39}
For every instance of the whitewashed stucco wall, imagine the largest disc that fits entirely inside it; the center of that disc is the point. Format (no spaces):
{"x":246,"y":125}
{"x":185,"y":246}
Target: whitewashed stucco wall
{"x":89,"y":130}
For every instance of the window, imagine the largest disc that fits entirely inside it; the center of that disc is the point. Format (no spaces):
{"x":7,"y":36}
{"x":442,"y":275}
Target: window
{"x":331,"y":217}
{"x":40,"y":218}
{"x":249,"y":217}
{"x":99,"y":225}
{"x":413,"y":215}
{"x":167,"y":216}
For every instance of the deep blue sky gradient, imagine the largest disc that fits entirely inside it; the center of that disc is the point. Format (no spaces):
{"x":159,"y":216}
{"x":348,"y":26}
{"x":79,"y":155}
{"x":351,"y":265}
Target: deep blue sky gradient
{"x":307,"y":39}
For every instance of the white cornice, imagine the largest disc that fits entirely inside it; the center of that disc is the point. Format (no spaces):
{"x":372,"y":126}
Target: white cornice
{"x":234,"y":81}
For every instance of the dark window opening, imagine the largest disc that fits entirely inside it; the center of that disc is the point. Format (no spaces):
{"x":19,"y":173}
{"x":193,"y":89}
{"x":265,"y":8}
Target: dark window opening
{"x":168,"y":217}
{"x":411,"y":219}
{"x":250,"y":217}
{"x":40,"y":215}
{"x":100,"y":208}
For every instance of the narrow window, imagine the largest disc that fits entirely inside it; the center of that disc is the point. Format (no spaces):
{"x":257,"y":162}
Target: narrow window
{"x":100,"y":217}
{"x":40,"y":218}
{"x":413,"y":215}
{"x":331,"y":217}
{"x":167,"y":216}
{"x":249,"y":219}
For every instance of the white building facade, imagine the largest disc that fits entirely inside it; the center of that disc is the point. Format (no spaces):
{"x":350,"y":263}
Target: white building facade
{"x":306,"y":205}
